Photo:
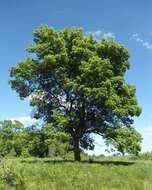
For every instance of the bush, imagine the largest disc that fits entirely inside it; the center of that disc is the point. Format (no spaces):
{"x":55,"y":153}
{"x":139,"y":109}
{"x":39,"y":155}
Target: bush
{"x":11,"y":175}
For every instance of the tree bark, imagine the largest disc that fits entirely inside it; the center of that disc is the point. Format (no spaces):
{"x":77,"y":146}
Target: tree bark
{"x":77,"y":156}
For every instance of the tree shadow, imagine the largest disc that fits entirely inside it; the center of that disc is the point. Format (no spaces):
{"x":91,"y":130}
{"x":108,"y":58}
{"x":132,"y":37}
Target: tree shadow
{"x":102,"y":162}
{"x":109,"y":162}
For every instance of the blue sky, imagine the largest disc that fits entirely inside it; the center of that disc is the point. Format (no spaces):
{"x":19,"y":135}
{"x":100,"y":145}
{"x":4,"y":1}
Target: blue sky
{"x":127,"y":21}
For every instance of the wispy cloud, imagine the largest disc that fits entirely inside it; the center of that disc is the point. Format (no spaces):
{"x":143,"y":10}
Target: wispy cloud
{"x":144,"y":43}
{"x":147,"y":131}
{"x":108,"y":35}
{"x":26,"y":120}
{"x":99,"y":34}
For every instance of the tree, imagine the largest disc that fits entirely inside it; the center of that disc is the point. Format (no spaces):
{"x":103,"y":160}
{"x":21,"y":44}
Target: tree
{"x":17,"y":140}
{"x":79,"y":79}
{"x":9,"y":131}
{"x":125,"y":140}
{"x":57,"y":141}
{"x":39,"y":141}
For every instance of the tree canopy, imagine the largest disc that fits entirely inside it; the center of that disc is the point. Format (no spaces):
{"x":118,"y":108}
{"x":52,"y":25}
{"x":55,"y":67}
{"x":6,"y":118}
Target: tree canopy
{"x":124,"y":140}
{"x":18,"y":140}
{"x":76,"y":83}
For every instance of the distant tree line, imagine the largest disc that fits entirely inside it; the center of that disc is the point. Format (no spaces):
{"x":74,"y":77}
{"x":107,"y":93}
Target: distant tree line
{"x":44,"y":141}
{"x":17,"y":140}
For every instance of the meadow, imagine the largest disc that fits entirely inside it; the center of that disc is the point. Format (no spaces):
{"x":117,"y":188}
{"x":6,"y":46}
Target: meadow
{"x":100,"y":173}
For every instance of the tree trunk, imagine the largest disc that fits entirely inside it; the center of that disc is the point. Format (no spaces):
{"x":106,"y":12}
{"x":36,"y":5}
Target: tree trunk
{"x":77,"y":156}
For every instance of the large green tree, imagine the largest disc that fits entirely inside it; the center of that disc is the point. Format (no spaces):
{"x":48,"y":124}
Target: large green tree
{"x":76,"y":83}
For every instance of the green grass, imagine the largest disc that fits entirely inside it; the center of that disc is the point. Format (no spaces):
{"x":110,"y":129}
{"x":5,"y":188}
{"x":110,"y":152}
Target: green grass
{"x":46,"y":174}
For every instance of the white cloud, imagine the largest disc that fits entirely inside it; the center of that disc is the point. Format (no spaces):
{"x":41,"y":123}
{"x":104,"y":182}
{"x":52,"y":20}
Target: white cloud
{"x":26,"y":120}
{"x":98,"y":34}
{"x":148,"y":134}
{"x":144,"y":43}
{"x":148,"y":129}
{"x":108,"y":35}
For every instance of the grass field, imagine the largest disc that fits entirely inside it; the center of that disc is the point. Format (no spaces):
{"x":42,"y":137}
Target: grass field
{"x":103,"y":174}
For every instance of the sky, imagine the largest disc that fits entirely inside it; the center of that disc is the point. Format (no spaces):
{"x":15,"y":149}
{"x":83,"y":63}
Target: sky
{"x":127,"y":21}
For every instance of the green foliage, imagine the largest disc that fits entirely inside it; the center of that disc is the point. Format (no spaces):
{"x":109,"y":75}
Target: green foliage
{"x":79,"y":78}
{"x":125,"y":140}
{"x":143,"y":156}
{"x":11,"y":177}
{"x":9,"y":131}
{"x":17,"y":140}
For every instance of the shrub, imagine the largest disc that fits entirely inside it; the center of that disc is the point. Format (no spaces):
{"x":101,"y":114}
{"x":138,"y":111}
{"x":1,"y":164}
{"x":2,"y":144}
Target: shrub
{"x":11,"y":175}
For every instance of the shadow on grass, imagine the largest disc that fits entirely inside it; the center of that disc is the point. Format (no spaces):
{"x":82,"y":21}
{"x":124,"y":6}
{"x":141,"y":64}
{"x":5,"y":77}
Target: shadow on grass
{"x":109,"y":162}
{"x":105,"y":162}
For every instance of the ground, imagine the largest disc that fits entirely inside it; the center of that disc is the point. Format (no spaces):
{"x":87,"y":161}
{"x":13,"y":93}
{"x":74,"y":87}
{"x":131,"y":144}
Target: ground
{"x":101,"y":174}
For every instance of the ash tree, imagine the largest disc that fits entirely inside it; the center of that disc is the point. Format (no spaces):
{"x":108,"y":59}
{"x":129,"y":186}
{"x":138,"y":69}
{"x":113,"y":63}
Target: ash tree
{"x":76,"y":83}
